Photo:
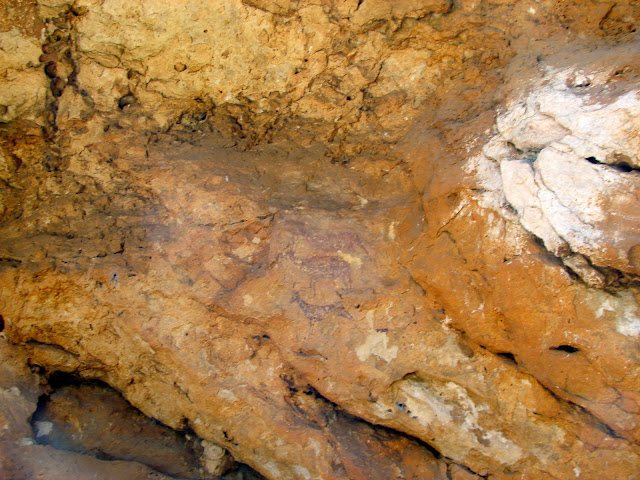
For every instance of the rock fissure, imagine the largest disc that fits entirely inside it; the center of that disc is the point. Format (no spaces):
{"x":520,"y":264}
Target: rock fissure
{"x":100,"y":414}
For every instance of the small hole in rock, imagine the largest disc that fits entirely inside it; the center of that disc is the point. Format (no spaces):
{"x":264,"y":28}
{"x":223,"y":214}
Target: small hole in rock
{"x":51,"y":69}
{"x":1,"y":323}
{"x":452,"y":198}
{"x":126,"y":100}
{"x":510,"y":357}
{"x":57,"y":86}
{"x":622,"y":167}
{"x":57,"y":36}
{"x":565,"y":348}
{"x":619,"y":163}
{"x":79,"y":10}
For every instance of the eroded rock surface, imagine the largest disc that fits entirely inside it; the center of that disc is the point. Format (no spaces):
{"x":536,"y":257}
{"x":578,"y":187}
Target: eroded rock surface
{"x":95,"y":419}
{"x":337,"y":240}
{"x":22,"y":456}
{"x":568,"y":157}
{"x":23,"y":86}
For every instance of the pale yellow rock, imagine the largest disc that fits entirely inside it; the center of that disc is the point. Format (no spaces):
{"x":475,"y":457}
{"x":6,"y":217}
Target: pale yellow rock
{"x":22,"y":84}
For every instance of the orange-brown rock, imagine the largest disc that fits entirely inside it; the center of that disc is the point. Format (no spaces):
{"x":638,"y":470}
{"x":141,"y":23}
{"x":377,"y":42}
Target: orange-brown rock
{"x":337,"y":239}
{"x":21,"y":456}
{"x":95,"y":419}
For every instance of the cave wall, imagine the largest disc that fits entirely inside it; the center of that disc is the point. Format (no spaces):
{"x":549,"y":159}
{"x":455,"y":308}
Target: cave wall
{"x":337,"y":239}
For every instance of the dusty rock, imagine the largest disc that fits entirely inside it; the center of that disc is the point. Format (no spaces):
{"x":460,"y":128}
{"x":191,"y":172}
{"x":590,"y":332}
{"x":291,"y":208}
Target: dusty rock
{"x":23,"y":85}
{"x":110,"y":437}
{"x":216,"y":460}
{"x":95,"y":419}
{"x":499,"y":297}
{"x":384,"y":376}
{"x":361,"y":240}
{"x":570,"y":175}
{"x":355,"y":70}
{"x":21,"y":456}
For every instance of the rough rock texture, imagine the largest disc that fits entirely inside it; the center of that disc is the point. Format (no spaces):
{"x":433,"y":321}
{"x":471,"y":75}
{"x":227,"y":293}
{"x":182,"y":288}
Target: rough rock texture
{"x":95,"y":419}
{"x":44,"y":427}
{"x":22,"y":457}
{"x":23,"y":86}
{"x":339,"y":239}
{"x":568,"y":156}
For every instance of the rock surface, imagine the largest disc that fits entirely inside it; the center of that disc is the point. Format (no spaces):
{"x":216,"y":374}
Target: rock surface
{"x":568,"y":157}
{"x":23,"y":86}
{"x":336,"y":239}
{"x":22,"y":457}
{"x":95,"y":419}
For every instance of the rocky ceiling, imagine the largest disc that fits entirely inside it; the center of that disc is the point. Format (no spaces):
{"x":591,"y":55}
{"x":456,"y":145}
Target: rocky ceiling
{"x":330,"y":239}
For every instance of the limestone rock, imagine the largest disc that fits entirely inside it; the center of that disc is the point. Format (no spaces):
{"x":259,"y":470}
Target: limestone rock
{"x":497,"y":268}
{"x":336,"y":239}
{"x":571,"y":176}
{"x":380,"y":10}
{"x":21,"y":456}
{"x":23,"y":86}
{"x":95,"y":419}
